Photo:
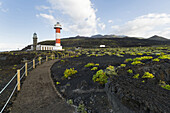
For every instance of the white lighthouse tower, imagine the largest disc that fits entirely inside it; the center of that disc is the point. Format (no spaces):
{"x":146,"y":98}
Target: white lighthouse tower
{"x":57,"y":27}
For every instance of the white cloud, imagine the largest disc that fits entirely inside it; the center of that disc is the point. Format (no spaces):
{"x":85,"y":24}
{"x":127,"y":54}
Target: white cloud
{"x":110,"y":21}
{"x":2,"y":9}
{"x":80,"y":13}
{"x":42,"y":7}
{"x":50,"y":18}
{"x":146,"y":26}
{"x":102,"y":26}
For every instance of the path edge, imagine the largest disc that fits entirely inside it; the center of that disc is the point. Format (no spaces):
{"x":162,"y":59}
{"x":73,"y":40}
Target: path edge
{"x":53,"y":85}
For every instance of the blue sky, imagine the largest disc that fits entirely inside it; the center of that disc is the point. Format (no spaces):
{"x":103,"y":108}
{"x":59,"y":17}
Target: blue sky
{"x":19,"y":19}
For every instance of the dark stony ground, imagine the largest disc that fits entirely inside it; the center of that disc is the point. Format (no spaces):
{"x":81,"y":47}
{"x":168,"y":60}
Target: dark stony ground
{"x":125,"y":94}
{"x":141,"y":96}
{"x":80,"y":88}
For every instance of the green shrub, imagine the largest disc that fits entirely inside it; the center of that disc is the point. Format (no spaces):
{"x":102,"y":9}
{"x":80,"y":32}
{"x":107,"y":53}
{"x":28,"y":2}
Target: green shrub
{"x":110,"y":70}
{"x":142,"y":58}
{"x":133,"y":53}
{"x":164,"y":57}
{"x":57,"y":83}
{"x":148,"y":75}
{"x":89,"y":65}
{"x":94,"y":68}
{"x":96,"y":64}
{"x":128,"y":59}
{"x":119,"y":55}
{"x":123,"y":65}
{"x":130,"y":71}
{"x":136,"y":62}
{"x":100,"y":77}
{"x":136,"y":76}
{"x":81,"y":108}
{"x":62,"y":60}
{"x":110,"y":67}
{"x":164,"y":85}
{"x":70,"y":101}
{"x":140,"y":54}
{"x":69,"y":72}
{"x":167,"y":86}
{"x":156,"y":60}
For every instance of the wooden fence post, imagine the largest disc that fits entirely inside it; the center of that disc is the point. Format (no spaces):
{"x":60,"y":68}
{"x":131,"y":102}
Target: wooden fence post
{"x":18,"y":79}
{"x":33,"y":63}
{"x":46,"y":58}
{"x":39,"y":60}
{"x":26,"y":67}
{"x":53,"y":56}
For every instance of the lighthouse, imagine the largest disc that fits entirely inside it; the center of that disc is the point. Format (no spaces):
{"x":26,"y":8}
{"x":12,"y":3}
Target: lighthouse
{"x":57,"y":28}
{"x":34,"y":41}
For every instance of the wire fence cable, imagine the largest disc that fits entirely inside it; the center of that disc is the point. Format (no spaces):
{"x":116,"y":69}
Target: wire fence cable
{"x":8,"y":83}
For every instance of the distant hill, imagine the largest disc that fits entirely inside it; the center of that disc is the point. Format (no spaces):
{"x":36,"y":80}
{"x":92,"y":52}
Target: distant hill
{"x":108,"y":41}
{"x":88,"y":42}
{"x":158,"y":38}
{"x":107,"y":36}
{"x":97,"y":36}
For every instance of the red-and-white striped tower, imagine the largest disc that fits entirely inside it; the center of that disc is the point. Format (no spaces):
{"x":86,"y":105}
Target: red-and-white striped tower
{"x":57,"y":35}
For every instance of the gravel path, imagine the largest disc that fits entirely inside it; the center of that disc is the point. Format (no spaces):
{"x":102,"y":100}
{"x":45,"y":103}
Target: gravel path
{"x":38,"y":93}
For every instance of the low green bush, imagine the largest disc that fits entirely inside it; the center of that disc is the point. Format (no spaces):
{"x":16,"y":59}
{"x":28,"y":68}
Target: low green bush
{"x":164,"y":85}
{"x":130,"y":71}
{"x":57,"y":83}
{"x":89,"y":65}
{"x":127,"y":60}
{"x":94,"y":68}
{"x":100,"y":77}
{"x":81,"y":108}
{"x":136,"y":76}
{"x":70,"y":101}
{"x":167,"y":86}
{"x":156,"y":60}
{"x":148,"y":75}
{"x":69,"y":72}
{"x":110,"y":70}
{"x":123,"y":65}
{"x":136,"y":62}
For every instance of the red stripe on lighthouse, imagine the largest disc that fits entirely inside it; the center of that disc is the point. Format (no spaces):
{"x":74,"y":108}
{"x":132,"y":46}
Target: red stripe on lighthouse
{"x":58,"y":41}
{"x":57,"y":30}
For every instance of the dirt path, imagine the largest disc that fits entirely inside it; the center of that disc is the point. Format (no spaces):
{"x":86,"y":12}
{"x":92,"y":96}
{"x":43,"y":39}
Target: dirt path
{"x":38,"y":94}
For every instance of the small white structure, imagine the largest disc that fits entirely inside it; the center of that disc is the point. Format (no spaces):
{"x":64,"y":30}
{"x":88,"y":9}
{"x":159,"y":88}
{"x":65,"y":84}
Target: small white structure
{"x":102,"y":46}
